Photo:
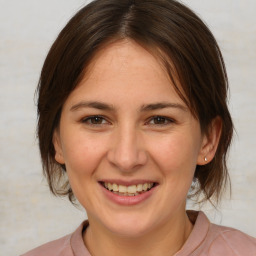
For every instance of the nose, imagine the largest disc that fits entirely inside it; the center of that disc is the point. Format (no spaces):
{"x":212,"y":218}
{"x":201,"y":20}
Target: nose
{"x":127,"y":152}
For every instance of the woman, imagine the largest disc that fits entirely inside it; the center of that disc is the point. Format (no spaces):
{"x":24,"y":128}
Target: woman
{"x":132,"y":111}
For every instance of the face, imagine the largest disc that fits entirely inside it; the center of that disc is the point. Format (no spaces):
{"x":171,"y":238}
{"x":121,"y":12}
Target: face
{"x":125,"y":128}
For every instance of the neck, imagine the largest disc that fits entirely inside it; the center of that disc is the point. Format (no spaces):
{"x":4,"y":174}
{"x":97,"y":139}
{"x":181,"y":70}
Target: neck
{"x":166,"y":240}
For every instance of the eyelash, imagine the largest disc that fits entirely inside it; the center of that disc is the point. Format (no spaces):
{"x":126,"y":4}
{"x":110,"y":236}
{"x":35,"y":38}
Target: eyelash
{"x":166,"y":120}
{"x":89,"y":120}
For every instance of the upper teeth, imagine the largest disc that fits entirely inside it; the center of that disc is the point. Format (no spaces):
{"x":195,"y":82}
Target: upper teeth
{"x":128,"y":189}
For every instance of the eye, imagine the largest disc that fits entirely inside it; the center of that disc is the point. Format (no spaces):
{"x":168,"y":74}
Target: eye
{"x":160,"y":120}
{"x":95,"y":120}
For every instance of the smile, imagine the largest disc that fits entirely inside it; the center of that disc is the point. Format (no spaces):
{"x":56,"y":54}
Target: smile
{"x":128,"y":193}
{"x":132,"y":190}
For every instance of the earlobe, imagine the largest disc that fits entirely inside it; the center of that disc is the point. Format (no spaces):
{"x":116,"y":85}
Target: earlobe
{"x":58,"y":149}
{"x":210,"y":142}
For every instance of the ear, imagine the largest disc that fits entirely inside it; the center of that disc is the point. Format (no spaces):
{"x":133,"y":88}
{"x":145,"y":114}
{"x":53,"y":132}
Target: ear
{"x":58,"y":148}
{"x":210,"y":142}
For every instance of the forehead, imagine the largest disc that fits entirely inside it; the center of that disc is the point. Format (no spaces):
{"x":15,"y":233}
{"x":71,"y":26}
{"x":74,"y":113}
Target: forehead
{"x":124,"y":55}
{"x":125,"y":69}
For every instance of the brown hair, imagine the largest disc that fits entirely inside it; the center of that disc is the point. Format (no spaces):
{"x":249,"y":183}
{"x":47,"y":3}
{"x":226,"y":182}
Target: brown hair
{"x":168,"y":29}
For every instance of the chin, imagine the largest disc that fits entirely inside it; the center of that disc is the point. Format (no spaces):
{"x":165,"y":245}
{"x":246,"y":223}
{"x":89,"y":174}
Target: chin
{"x":130,"y":231}
{"x":130,"y":227}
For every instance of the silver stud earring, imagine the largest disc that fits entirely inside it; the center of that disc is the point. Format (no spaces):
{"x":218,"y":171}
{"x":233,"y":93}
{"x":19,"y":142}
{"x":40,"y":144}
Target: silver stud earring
{"x":205,"y":159}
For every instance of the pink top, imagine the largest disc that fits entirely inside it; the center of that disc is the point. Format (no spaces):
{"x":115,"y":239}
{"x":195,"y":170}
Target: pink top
{"x":206,"y":239}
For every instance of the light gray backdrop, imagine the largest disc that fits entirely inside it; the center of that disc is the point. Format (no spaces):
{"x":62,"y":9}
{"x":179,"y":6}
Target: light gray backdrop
{"x":29,"y":215}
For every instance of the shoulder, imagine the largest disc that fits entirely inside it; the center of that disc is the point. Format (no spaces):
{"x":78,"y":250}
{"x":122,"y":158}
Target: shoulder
{"x":65,"y":246}
{"x":229,"y":241}
{"x":59,"y":247}
{"x":211,"y":239}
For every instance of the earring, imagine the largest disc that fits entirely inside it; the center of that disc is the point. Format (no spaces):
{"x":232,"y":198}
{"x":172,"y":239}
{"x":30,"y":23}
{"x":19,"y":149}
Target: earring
{"x":205,"y":159}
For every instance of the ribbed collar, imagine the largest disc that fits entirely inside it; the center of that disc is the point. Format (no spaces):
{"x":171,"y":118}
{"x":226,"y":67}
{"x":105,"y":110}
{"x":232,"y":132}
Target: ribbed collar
{"x":77,"y":242}
{"x":198,"y":234}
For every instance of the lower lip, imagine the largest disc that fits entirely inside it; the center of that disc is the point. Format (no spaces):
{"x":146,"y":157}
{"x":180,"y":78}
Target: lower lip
{"x":128,"y":200}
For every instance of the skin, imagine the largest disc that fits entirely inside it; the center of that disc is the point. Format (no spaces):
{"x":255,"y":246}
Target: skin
{"x":126,"y":142}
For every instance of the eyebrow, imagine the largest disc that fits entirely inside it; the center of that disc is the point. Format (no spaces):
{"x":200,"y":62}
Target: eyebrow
{"x":162,"y":105}
{"x":92,"y":104}
{"x":144,"y":108}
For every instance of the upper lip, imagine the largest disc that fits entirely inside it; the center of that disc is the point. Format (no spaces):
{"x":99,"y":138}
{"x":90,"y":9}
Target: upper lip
{"x":126,"y":182}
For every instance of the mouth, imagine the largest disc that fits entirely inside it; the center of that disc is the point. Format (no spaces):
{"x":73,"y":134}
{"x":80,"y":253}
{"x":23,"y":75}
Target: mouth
{"x":131,"y":190}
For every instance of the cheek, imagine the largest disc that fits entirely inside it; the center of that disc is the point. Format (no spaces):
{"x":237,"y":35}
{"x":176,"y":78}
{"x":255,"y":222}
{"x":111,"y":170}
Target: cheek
{"x":82,"y":158}
{"x":176,"y":156}
{"x":176,"y":159}
{"x":82,"y":154}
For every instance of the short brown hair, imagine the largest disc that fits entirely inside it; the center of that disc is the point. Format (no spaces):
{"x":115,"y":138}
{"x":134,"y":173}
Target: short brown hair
{"x":168,"y":29}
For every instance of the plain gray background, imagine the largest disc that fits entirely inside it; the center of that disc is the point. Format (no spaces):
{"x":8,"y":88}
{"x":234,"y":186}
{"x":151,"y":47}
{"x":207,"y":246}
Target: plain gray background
{"x":29,"y":215}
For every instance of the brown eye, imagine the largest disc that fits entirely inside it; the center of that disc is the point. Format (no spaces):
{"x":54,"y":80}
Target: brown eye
{"x":160,"y":120}
{"x":95,"y":120}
